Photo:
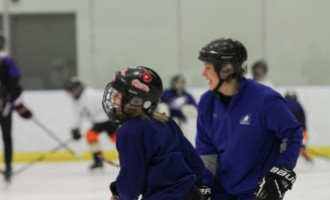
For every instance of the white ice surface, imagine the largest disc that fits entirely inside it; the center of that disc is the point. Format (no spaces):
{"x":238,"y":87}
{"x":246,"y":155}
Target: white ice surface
{"x":73,"y":181}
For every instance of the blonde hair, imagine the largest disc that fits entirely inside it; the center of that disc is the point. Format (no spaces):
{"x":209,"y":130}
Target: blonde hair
{"x":138,"y":112}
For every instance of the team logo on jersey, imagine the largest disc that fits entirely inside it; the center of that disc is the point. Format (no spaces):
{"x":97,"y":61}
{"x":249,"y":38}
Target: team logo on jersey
{"x":246,"y":119}
{"x":136,"y":83}
{"x":146,"y":77}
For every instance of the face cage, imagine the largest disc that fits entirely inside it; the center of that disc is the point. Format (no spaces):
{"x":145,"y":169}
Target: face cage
{"x":111,"y":109}
{"x":108,"y":103}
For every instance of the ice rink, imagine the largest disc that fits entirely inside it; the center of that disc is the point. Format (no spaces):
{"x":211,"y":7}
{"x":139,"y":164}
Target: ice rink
{"x":73,"y":181}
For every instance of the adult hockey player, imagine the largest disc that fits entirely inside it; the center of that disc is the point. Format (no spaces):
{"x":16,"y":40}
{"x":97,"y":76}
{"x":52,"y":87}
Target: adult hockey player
{"x":10,"y":98}
{"x":246,"y":134}
{"x":181,"y":103}
{"x":156,"y":160}
{"x":87,"y":105}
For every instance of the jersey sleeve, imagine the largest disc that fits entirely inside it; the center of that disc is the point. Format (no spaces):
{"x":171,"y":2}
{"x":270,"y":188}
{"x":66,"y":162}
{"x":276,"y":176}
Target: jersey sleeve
{"x":280,"y":120}
{"x":206,"y":149}
{"x":132,"y":176}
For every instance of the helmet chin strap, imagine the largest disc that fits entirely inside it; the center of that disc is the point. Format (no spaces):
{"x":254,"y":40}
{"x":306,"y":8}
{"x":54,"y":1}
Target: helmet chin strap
{"x":215,"y":90}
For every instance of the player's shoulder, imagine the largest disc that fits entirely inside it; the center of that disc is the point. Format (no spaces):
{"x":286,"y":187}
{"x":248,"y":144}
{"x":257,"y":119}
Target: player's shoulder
{"x":259,"y":89}
{"x":206,"y":102}
{"x":207,"y":96}
{"x":90,"y":92}
{"x":137,"y":126}
{"x":263,"y":94}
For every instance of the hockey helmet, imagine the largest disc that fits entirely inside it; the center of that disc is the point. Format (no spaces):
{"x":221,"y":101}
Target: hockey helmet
{"x":259,"y":70}
{"x":223,"y":51}
{"x":139,"y":87}
{"x":178,"y":84}
{"x":290,"y":94}
{"x":75,"y":86}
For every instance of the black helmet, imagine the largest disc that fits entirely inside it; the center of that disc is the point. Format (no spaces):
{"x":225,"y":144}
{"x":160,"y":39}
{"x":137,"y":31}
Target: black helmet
{"x":257,"y":74}
{"x":223,"y":51}
{"x":74,"y":85}
{"x":290,"y":94}
{"x":174,"y":84}
{"x":261,"y":64}
{"x":140,"y":87}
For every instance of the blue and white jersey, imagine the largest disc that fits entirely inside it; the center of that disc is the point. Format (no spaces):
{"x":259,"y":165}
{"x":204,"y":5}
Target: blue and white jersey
{"x":247,"y":136}
{"x":156,"y":161}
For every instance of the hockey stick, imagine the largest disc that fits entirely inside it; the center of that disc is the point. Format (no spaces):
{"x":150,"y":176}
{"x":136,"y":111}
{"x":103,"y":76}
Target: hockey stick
{"x":50,"y":133}
{"x":111,"y":162}
{"x":40,"y":158}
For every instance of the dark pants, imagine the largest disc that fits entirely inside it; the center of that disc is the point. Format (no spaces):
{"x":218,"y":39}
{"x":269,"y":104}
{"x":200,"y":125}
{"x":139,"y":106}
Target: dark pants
{"x":108,"y":126}
{"x":5,"y":123}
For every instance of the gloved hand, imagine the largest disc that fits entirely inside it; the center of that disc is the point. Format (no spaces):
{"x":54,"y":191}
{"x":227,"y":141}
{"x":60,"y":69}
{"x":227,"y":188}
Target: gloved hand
{"x":206,"y":192}
{"x":23,"y":111}
{"x":114,"y":191}
{"x":75,"y":134}
{"x":274,"y":185}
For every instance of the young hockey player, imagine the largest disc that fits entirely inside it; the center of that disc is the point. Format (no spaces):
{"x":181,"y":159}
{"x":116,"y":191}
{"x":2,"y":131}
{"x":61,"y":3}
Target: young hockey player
{"x":87,"y":106}
{"x":246,"y":134}
{"x":10,"y":98}
{"x":181,"y":104}
{"x":156,"y":160}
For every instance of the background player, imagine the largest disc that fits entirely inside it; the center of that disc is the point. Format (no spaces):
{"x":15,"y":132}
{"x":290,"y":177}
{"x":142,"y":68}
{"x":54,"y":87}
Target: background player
{"x":181,"y":104}
{"x":87,"y":106}
{"x":241,"y":127}
{"x":260,"y":72}
{"x":156,"y":160}
{"x":298,"y":111}
{"x":10,"y":98}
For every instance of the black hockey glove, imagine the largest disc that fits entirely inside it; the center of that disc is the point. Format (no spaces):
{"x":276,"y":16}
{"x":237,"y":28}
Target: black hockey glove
{"x":274,"y":185}
{"x":23,"y":111}
{"x":114,"y":191}
{"x":75,"y":134}
{"x":206,"y":192}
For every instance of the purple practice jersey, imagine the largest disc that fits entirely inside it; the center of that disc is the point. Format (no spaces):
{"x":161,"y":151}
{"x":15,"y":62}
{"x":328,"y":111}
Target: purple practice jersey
{"x":297,"y":111}
{"x":10,"y":86}
{"x":156,"y":161}
{"x":175,"y":102}
{"x":254,"y":133}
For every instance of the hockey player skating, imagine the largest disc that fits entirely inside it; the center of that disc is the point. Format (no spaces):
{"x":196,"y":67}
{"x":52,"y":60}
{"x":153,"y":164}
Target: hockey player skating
{"x":10,"y":98}
{"x":87,"y":106}
{"x":156,"y":160}
{"x":246,"y":134}
{"x":299,"y":113}
{"x":181,"y":104}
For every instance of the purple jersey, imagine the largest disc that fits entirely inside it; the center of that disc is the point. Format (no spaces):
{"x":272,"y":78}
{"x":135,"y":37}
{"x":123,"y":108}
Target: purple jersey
{"x":156,"y":161}
{"x":247,"y":136}
{"x":175,"y":102}
{"x":10,"y":86}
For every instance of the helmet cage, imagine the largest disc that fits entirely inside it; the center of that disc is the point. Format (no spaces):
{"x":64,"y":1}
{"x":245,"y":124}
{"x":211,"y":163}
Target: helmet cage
{"x":134,"y":94}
